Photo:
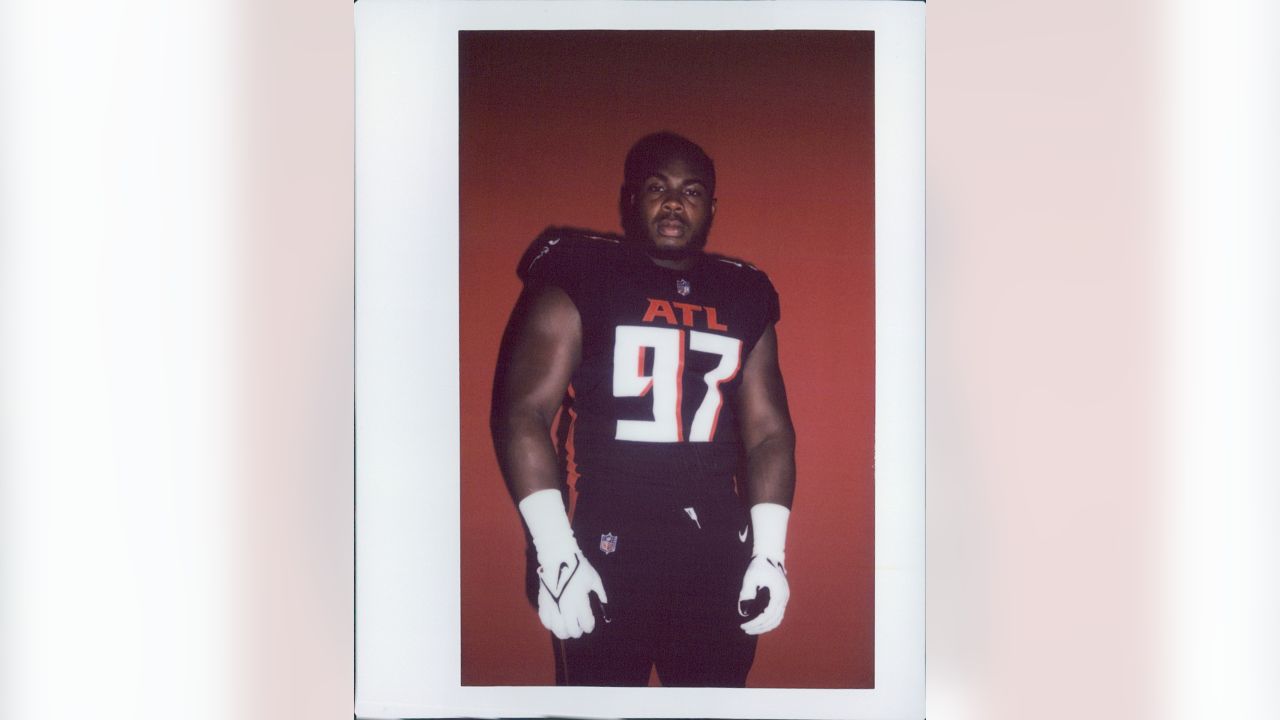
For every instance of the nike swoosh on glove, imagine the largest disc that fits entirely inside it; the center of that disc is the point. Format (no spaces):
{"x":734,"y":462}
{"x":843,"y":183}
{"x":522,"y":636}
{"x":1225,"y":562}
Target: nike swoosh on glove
{"x":564,"y":594}
{"x":764,"y":572}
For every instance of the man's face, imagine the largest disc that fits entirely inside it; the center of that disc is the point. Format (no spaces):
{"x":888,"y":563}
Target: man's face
{"x":675,"y":206}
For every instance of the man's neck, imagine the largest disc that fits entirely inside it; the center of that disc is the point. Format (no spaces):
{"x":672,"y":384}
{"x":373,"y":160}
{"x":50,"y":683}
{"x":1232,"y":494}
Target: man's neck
{"x":677,"y":260}
{"x":682,"y":263}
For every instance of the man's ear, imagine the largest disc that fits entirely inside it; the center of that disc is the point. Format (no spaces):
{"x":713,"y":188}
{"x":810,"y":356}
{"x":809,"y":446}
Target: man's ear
{"x":713,"y":207}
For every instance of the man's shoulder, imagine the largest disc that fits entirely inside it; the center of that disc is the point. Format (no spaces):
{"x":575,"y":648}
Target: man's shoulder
{"x":732,"y":265}
{"x":739,"y":272}
{"x":566,"y":249}
{"x":750,"y":283}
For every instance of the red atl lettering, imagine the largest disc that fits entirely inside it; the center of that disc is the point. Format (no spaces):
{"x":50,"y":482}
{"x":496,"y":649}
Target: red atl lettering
{"x":687,"y":311}
{"x":711,"y":321}
{"x":659,"y":308}
{"x":688,"y":314}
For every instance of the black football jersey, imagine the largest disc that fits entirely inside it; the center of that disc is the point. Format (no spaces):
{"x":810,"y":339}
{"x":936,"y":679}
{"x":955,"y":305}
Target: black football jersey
{"x":662,"y":355}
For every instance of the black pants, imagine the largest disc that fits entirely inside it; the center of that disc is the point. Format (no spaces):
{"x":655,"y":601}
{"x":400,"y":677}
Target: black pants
{"x":672,"y":575}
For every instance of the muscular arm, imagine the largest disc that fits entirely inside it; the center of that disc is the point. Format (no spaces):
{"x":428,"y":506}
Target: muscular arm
{"x":540,"y":352}
{"x":764,"y":424}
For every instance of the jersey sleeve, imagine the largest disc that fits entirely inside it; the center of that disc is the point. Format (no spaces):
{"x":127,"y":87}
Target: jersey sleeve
{"x":768,"y":310}
{"x":544,"y":263}
{"x":772,"y":305}
{"x":752,"y":292}
{"x":565,"y":258}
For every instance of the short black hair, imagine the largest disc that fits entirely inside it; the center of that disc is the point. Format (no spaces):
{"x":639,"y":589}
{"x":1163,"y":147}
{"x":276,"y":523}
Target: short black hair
{"x":657,"y":149}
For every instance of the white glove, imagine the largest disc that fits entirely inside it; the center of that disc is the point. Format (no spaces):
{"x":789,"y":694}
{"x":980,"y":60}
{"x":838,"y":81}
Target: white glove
{"x":565,"y":577}
{"x":769,"y":524}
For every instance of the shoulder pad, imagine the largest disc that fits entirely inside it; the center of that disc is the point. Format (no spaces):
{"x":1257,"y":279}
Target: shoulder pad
{"x":751,"y":276}
{"x":734,"y":262}
{"x":563,"y":246}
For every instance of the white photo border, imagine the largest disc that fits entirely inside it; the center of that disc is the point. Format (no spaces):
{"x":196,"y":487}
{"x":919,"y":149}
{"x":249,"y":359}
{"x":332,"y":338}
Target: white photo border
{"x":408,"y":635}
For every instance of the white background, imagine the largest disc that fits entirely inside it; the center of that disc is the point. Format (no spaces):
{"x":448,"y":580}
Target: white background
{"x":175,"y":228}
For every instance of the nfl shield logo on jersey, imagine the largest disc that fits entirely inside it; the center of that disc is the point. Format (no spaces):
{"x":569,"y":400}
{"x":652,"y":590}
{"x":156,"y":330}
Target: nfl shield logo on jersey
{"x":682,"y":287}
{"x":608,"y":543}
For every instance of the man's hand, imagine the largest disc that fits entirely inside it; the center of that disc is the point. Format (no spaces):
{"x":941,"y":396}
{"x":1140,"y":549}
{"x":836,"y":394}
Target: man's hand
{"x":766,"y":571}
{"x":564,"y":602}
{"x":565,"y":578}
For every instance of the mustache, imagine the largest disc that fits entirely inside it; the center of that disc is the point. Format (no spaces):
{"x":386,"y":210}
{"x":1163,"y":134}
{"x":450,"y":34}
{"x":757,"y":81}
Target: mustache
{"x":671,"y":216}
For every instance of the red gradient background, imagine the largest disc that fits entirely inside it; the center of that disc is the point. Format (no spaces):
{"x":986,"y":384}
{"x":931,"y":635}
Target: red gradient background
{"x":546,"y":118}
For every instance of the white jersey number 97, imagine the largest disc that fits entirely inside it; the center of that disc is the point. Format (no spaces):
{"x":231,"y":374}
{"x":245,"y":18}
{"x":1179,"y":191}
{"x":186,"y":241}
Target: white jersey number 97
{"x":665,"y":381}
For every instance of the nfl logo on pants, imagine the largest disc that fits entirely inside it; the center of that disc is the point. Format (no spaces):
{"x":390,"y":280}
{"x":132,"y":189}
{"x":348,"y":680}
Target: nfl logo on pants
{"x":608,"y":543}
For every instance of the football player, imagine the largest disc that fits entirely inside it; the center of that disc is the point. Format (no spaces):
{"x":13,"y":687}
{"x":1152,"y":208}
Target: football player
{"x":682,"y":438}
